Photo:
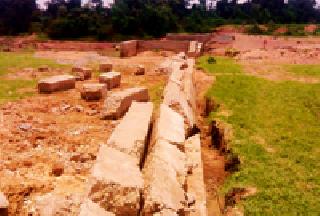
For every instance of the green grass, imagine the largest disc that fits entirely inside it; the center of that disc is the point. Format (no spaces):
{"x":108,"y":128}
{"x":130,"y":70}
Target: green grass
{"x":306,"y":70}
{"x":156,"y":93}
{"x":12,"y":89}
{"x":223,"y":65}
{"x":277,"y":137}
{"x":10,"y":62}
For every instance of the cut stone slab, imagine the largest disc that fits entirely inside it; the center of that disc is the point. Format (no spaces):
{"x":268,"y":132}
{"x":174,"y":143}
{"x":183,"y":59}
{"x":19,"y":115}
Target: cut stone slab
{"x":116,"y":182}
{"x":179,"y":93}
{"x":89,"y":208}
{"x":140,"y":70}
{"x":175,"y":98}
{"x":170,"y":127}
{"x":166,"y":212}
{"x":51,"y":204}
{"x":56,"y":83}
{"x":112,"y":79}
{"x":82,"y":73}
{"x":4,"y":205}
{"x":173,"y":158}
{"x":195,"y":180}
{"x":93,"y":91}
{"x":162,"y":189}
{"x":105,"y":67}
{"x":118,"y":103}
{"x":130,"y":135}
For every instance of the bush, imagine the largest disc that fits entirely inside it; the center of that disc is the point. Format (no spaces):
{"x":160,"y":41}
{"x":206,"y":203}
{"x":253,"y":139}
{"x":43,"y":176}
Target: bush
{"x":211,"y":60}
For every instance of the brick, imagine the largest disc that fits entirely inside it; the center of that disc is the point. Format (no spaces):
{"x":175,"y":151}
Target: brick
{"x":118,"y":103}
{"x":112,"y":79}
{"x":93,"y":91}
{"x":56,"y":83}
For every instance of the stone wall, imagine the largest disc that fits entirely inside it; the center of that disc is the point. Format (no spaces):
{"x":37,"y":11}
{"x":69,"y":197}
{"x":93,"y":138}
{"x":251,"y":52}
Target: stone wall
{"x":131,"y":48}
{"x":168,"y":45}
{"x":203,"y":38}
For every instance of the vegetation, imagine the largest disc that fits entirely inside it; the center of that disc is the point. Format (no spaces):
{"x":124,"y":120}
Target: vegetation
{"x":276,"y":136}
{"x":306,"y":70}
{"x":223,"y":65}
{"x":10,"y":62}
{"x":14,"y":89}
{"x":13,"y":62}
{"x":125,"y":19}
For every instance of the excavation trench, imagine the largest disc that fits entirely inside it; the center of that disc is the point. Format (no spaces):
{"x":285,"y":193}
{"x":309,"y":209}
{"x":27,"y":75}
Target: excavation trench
{"x":219,"y":136}
{"x":218,"y":159}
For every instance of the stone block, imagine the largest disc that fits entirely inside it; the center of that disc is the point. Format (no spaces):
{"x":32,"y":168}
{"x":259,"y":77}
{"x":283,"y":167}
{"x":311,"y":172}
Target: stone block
{"x":82,"y":73}
{"x":93,"y":91}
{"x":89,"y":208}
{"x":195,"y":180}
{"x":118,"y":103}
{"x":130,"y":135}
{"x":56,"y":83}
{"x":166,"y":212}
{"x":112,"y":79}
{"x":140,"y":70}
{"x":105,"y":67}
{"x":170,"y":127}
{"x":116,"y":182}
{"x":43,"y":69}
{"x":162,"y":188}
{"x":4,"y":205}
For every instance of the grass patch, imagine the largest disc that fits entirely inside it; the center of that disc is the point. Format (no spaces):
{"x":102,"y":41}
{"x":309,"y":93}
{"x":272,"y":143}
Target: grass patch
{"x":276,"y":135}
{"x":10,"y":62}
{"x":306,"y":70}
{"x":223,"y":65}
{"x":155,"y":93}
{"x":13,"y":89}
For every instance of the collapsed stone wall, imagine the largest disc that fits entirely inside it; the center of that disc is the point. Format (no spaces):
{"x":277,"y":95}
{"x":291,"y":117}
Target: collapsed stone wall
{"x":148,"y":168}
{"x":173,"y":171}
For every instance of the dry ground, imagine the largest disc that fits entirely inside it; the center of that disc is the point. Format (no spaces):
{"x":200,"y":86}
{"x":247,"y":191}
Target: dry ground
{"x":45,"y":134}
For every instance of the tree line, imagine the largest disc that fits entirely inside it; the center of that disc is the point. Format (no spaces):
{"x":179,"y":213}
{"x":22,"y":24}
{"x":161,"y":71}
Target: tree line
{"x":125,"y":19}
